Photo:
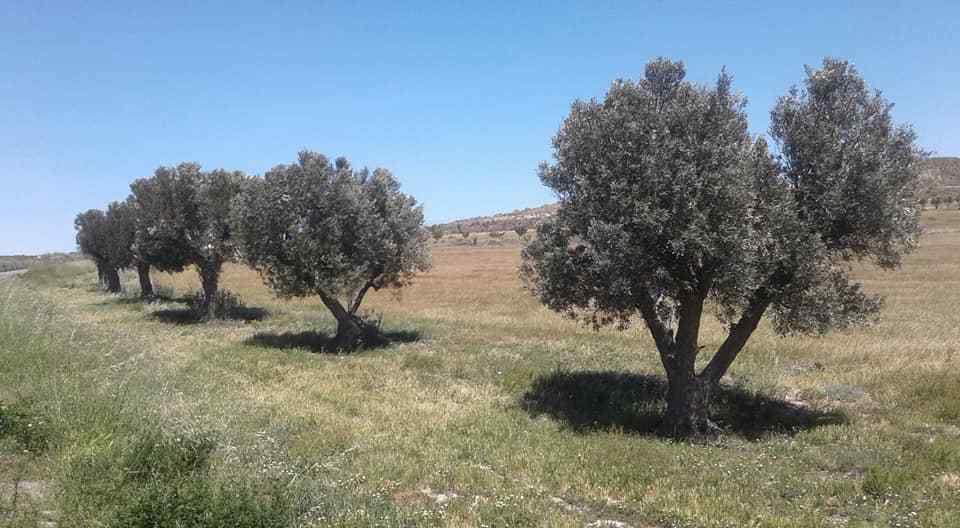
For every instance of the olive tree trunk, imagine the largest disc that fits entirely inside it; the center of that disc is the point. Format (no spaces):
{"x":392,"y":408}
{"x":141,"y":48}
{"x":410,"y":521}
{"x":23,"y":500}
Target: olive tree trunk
{"x":101,"y":275}
{"x":209,"y":281}
{"x":111,"y":277}
{"x":351,"y":332}
{"x":689,"y":394}
{"x":146,"y":287}
{"x":688,"y":404}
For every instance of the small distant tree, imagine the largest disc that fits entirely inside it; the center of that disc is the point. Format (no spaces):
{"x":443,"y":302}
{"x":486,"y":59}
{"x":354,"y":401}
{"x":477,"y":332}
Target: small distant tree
{"x":94,"y":240}
{"x":185,"y":216}
{"x":321,"y":228}
{"x":436,"y":232}
{"x":929,"y":183}
{"x":464,"y":232}
{"x":666,"y":203}
{"x":521,"y":231}
{"x":935,"y":202}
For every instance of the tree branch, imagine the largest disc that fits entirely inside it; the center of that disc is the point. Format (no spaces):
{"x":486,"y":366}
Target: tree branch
{"x":740,"y":332}
{"x":662,"y":335}
{"x":355,"y":305}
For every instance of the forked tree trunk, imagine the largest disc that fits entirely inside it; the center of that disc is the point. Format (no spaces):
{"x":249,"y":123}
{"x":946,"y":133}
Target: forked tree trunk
{"x":351,"y":332}
{"x":112,"y":278}
{"x":146,"y":287}
{"x":689,"y":394}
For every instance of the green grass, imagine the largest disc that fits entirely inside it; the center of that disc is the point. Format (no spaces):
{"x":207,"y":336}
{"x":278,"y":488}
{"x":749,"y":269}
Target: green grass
{"x":486,"y":410}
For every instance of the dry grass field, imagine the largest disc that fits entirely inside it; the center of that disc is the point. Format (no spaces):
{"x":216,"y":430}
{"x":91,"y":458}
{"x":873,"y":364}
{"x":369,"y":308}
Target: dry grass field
{"x":487,"y":410}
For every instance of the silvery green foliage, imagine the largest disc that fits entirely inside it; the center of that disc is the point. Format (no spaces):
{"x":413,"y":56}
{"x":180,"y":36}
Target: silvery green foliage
{"x":666,"y":201}
{"x":121,"y":227}
{"x":184,"y":216}
{"x":320,"y":228}
{"x":106,"y":236}
{"x":93,"y":235}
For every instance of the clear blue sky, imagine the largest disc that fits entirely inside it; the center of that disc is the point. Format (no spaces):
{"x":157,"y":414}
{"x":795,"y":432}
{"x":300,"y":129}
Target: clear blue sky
{"x":459,"y":100}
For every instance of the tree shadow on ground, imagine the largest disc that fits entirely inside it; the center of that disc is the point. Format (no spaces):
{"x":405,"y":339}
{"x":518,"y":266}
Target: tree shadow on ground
{"x":322,"y":343}
{"x":589,"y":401}
{"x":129,"y":299}
{"x":186,"y":316}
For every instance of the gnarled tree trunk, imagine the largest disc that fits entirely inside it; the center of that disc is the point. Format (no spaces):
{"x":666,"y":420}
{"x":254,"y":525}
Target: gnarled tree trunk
{"x":146,"y":287}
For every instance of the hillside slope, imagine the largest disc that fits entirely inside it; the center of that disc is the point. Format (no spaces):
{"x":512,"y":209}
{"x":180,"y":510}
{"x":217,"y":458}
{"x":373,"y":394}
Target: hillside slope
{"x":501,"y":221}
{"x":946,"y":171}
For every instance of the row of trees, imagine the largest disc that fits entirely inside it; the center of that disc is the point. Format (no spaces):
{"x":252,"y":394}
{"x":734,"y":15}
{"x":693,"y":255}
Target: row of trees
{"x":946,"y":201}
{"x":669,"y":208}
{"x":437,"y":232}
{"x":314,"y":227}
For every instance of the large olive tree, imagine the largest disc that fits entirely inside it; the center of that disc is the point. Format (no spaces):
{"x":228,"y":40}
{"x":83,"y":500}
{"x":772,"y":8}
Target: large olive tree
{"x":321,"y":228}
{"x":670,"y":209}
{"x":184,"y":219}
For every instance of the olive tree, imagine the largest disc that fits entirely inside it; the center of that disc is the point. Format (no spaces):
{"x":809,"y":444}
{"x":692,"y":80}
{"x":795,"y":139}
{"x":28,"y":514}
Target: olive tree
{"x":106,"y":238}
{"x":184,"y":217}
{"x":123,"y":219}
{"x":670,"y":210}
{"x":521,"y":231}
{"x":93,"y":240}
{"x":321,"y":228}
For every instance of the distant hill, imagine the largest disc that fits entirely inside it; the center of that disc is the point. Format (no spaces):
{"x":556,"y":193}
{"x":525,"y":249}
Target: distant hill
{"x":15,"y":262}
{"x":528,"y":218}
{"x":946,"y":173}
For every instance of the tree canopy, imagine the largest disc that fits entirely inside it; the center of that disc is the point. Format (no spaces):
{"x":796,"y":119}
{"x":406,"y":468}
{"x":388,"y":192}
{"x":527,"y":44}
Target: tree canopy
{"x":668,"y":207}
